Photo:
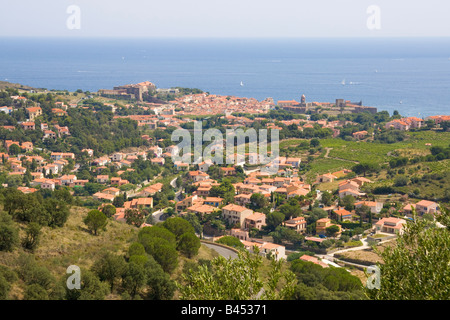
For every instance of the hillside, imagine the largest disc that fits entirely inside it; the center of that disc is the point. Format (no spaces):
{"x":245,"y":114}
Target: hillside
{"x":5,"y":85}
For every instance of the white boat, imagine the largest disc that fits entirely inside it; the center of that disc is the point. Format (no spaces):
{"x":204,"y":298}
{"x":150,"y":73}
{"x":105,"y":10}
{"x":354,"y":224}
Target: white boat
{"x":242,"y":84}
{"x":343,"y":82}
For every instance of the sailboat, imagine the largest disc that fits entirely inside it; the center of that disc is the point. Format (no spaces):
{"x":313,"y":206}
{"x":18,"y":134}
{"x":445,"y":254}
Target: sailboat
{"x":242,"y":84}
{"x":343,"y":82}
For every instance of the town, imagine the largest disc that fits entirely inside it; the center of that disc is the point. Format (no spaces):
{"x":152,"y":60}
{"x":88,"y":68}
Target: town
{"x":348,"y":177}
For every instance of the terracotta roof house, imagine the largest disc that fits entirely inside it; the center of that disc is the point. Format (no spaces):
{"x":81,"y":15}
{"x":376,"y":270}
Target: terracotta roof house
{"x":342,"y":214}
{"x":390,"y":225}
{"x":201,"y":209}
{"x":256,"y":220}
{"x":425,"y":206}
{"x":236,"y":214}
{"x":313,"y":260}
{"x":375,"y":207}
{"x":298,"y":224}
{"x":323,"y":224}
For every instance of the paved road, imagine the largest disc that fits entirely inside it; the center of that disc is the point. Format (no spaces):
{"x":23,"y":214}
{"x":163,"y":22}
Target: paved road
{"x":157,"y":216}
{"x":224,"y":252}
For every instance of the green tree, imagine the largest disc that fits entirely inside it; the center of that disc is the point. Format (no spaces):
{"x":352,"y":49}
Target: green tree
{"x":162,"y":251}
{"x":134,"y":279}
{"x":349,"y":202}
{"x":5,"y":288}
{"x":109,"y":210}
{"x":274,"y":219}
{"x":134,"y":217}
{"x":32,"y":234}
{"x":178,"y":226}
{"x":331,"y":231}
{"x":109,"y":267}
{"x":365,"y":167}
{"x":327,"y":198}
{"x":9,"y":235}
{"x":91,"y":288}
{"x":136,"y":249}
{"x":418,"y":266}
{"x":35,"y":292}
{"x":159,"y":284}
{"x":188,"y":244}
{"x":258,"y":201}
{"x":58,"y":212}
{"x":231,"y":241}
{"x":235,"y":279}
{"x":95,"y":221}
{"x":14,"y":150}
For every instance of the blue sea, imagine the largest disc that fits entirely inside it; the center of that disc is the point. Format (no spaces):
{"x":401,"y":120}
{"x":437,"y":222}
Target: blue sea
{"x":411,"y":75}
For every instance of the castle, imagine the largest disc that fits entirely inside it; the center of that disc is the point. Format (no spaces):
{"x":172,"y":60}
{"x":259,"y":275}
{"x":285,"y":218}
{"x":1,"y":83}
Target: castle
{"x":129,"y":91}
{"x":340,"y":106}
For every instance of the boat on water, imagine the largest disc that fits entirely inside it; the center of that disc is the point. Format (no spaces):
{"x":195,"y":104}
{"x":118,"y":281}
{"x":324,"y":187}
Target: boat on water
{"x":343,"y":82}
{"x":242,"y":84}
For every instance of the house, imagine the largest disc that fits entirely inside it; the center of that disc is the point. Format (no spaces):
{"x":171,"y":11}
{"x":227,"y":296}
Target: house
{"x":203,"y":190}
{"x":294,"y":191}
{"x":327,"y":177}
{"x":297,"y":224}
{"x":90,"y":152}
{"x":103,"y":196}
{"x":351,"y":192}
{"x":201,"y":209}
{"x":341,"y":214}
{"x":204,"y":166}
{"x":48,"y":184}
{"x":49,"y":134}
{"x":266,"y":248}
{"x":349,"y":184}
{"x":28,"y":146}
{"x":118,"y":181}
{"x":181,"y":166}
{"x":62,"y":155}
{"x":375,"y":207}
{"x":313,"y":260}
{"x":256,"y":220}
{"x":67,"y":179}
{"x":197,"y":176}
{"x":390,"y":225}
{"x":186,"y":202}
{"x":151,"y":190}
{"x":243,"y":199}
{"x":294,"y":162}
{"x":34,"y":112}
{"x":407,"y":210}
{"x":9,"y":143}
{"x":59,"y":112}
{"x":139,"y":203}
{"x":240,"y":234}
{"x":361,"y":181}
{"x":213,"y":201}
{"x":360,"y":135}
{"x":26,"y":190}
{"x":236,"y":214}
{"x":159,"y":161}
{"x":228,"y":171}
{"x":425,"y":206}
{"x":7,"y":110}
{"x":102,"y":178}
{"x":323,"y":224}
{"x":173,"y":149}
{"x":112,"y":191}
{"x":29,"y":125}
{"x":118,"y":156}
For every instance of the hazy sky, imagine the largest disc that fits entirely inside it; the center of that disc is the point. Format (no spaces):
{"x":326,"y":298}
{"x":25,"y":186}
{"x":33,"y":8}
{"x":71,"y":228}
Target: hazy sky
{"x":225,"y":18}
